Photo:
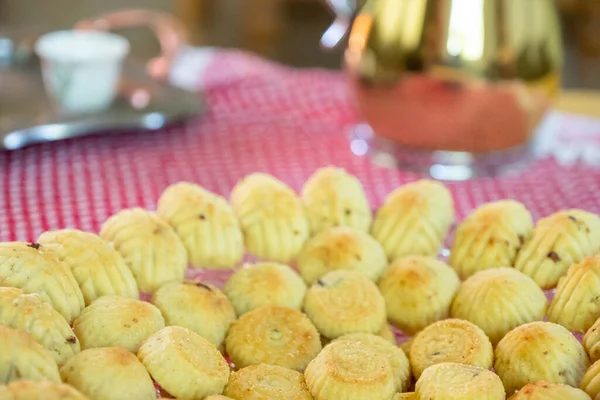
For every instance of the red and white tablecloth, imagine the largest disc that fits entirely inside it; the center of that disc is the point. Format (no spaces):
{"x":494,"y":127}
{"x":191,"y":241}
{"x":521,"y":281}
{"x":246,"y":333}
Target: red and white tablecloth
{"x":263,"y":117}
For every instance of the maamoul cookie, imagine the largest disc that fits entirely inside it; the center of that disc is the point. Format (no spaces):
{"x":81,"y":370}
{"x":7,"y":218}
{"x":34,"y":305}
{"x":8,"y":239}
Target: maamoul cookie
{"x":418,"y":291}
{"x":414,"y":219}
{"x":114,"y":321}
{"x":451,"y":340}
{"x":341,"y":248}
{"x":149,"y":246}
{"x":273,"y":335}
{"x":590,"y":383}
{"x":405,"y":396}
{"x":265,"y":284}
{"x":29,"y":313}
{"x":98,"y":268}
{"x":21,"y":357}
{"x":498,"y":300}
{"x":348,"y":370}
{"x":549,"y":391}
{"x":539,"y":351}
{"x":271,"y":217}
{"x":557,"y":242}
{"x":343,"y":302}
{"x":333,"y":197}
{"x":453,"y":381}
{"x":576,"y":303}
{"x":109,"y":373}
{"x":35,"y":269}
{"x":205,"y":223}
{"x":490,"y":237}
{"x":198,"y":306}
{"x":398,"y":360}
{"x":39,"y":390}
{"x":259,"y":382}
{"x":591,"y":341}
{"x":184,"y":363}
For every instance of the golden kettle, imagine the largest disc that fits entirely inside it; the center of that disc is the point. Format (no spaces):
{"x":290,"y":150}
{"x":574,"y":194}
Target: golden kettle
{"x":464,"y":79}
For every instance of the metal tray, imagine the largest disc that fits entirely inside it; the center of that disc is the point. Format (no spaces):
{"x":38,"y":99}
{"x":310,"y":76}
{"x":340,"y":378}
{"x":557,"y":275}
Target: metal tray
{"x":28,"y":116}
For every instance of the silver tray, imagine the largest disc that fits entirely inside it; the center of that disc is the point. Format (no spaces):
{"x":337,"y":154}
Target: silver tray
{"x":27,"y":115}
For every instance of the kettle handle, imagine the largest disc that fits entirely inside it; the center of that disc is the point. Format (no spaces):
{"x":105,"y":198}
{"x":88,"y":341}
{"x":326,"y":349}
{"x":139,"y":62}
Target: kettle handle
{"x":344,"y":11}
{"x":170,"y":32}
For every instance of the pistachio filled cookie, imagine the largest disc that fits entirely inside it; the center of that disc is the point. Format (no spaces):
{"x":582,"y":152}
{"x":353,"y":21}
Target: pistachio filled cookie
{"x":344,"y":302}
{"x":258,"y":382}
{"x":273,"y":335}
{"x":205,"y":223}
{"x":333,"y":197}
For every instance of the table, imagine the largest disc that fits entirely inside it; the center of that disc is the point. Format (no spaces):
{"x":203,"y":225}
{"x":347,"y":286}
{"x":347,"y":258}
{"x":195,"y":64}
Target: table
{"x":264,"y":117}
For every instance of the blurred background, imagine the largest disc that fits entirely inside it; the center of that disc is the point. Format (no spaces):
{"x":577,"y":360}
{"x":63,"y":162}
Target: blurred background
{"x":284,"y":30}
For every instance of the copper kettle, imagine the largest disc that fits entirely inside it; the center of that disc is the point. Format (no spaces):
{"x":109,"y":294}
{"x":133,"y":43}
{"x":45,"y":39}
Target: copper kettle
{"x":465,"y":80}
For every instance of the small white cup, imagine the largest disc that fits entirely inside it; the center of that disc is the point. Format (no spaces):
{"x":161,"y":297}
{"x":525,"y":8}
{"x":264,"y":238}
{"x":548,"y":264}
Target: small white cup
{"x":81,"y":69}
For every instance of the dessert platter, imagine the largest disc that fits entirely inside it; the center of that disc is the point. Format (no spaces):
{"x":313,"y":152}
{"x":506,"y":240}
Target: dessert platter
{"x":271,"y":294}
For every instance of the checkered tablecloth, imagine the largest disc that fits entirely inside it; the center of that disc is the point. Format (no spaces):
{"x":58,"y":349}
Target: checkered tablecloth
{"x":263,"y":117}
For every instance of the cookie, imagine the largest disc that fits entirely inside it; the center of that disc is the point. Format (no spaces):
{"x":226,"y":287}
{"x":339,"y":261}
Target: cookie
{"x":114,"y":321}
{"x":273,"y":335}
{"x":333,"y":197}
{"x":35,"y":269}
{"x":549,"y":391}
{"x":490,"y":237}
{"x":265,"y":284}
{"x":344,"y":302}
{"x":590,"y":383}
{"x":205,"y":223}
{"x":200,"y":307}
{"x":184,"y":363}
{"x":271,"y":217}
{"x":258,"y":382}
{"x":591,"y":341}
{"x":341,"y":248}
{"x":559,"y":241}
{"x":149,"y":246}
{"x":499,"y":300}
{"x":39,"y":390}
{"x":414,"y":219}
{"x":109,"y":373}
{"x":97,"y":267}
{"x":30,"y":314}
{"x":418,"y":291}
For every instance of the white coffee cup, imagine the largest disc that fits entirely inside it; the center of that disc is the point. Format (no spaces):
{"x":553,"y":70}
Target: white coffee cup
{"x":81,"y":69}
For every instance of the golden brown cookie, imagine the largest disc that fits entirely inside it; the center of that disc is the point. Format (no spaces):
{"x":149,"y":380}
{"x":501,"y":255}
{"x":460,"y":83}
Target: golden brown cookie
{"x":258,"y":382}
{"x":344,"y":302}
{"x":451,"y":340}
{"x":265,"y":284}
{"x":498,"y":300}
{"x":405,"y":396}
{"x":557,"y":242}
{"x":30,"y":314}
{"x":21,"y":357}
{"x":590,"y":383}
{"x":539,"y":351}
{"x":350,"y":370}
{"x":576,"y":303}
{"x":205,"y":223}
{"x":453,"y":381}
{"x":273,"y":335}
{"x":97,"y":267}
{"x":414,"y":219}
{"x":149,"y":246}
{"x":200,"y":307}
{"x":109,"y":373}
{"x":184,"y":363}
{"x":341,"y":248}
{"x":114,"y":321}
{"x":398,"y":360}
{"x":591,"y":341}
{"x":418,"y":291}
{"x":271,"y":217}
{"x":549,"y":391}
{"x":490,"y":237}
{"x":333,"y":197}
{"x":35,"y":269}
{"x":39,"y":390}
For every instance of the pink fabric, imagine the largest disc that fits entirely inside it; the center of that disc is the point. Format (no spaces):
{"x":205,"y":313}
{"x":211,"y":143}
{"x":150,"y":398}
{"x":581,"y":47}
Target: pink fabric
{"x":263,"y":117}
